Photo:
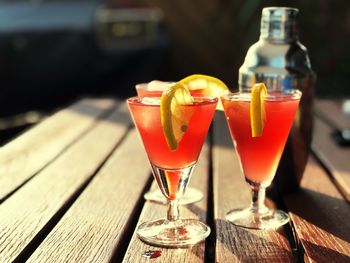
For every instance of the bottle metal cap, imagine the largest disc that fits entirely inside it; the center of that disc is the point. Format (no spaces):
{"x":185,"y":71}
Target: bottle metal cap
{"x":282,"y":14}
{"x":279,"y":24}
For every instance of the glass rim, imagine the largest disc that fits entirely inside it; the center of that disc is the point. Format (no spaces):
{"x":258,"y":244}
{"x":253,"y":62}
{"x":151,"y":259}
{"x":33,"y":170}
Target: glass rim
{"x":138,"y":99}
{"x":273,"y":95}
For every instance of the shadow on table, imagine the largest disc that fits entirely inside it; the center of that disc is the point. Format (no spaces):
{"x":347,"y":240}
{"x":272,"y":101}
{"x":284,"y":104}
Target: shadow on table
{"x":246,"y":246}
{"x":197,"y":211}
{"x":324,"y":254}
{"x":199,"y":251}
{"x":328,"y":213}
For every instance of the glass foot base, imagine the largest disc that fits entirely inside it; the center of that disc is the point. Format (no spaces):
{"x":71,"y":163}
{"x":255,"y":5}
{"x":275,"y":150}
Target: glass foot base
{"x":245,"y":217}
{"x":192,"y":195}
{"x":183,"y":233}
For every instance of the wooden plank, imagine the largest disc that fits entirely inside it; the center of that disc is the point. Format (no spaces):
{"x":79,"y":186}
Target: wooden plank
{"x":334,"y":157}
{"x":28,"y":214}
{"x":32,"y":151}
{"x":95,"y":226}
{"x":236,"y":244}
{"x":321,"y":217}
{"x":153,"y":210}
{"x":331,"y":112}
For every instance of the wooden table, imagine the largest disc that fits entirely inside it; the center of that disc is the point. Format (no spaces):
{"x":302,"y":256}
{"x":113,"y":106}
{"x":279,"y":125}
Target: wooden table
{"x":72,"y":191}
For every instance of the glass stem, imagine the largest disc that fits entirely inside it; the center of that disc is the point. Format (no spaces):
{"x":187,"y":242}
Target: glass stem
{"x":258,"y":200}
{"x":173,"y":210}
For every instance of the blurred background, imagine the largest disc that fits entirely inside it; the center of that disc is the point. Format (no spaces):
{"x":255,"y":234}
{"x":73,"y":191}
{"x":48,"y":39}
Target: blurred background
{"x":55,"y":51}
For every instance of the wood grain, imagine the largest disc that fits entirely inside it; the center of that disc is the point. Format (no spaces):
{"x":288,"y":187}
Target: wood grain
{"x":334,"y":157}
{"x":32,"y":151}
{"x":235,"y":244}
{"x":321,"y":217}
{"x":153,"y":210}
{"x":85,"y":200}
{"x":25,"y":216}
{"x":95,"y":225}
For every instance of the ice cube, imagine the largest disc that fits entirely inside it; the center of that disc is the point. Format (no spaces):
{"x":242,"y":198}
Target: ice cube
{"x":159,"y":85}
{"x":151,"y":100}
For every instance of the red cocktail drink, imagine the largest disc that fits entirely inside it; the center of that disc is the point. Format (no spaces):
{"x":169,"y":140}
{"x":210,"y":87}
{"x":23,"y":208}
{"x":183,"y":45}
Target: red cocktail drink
{"x":155,"y":88}
{"x":259,"y":156}
{"x":172,"y":168}
{"x":147,"y":119}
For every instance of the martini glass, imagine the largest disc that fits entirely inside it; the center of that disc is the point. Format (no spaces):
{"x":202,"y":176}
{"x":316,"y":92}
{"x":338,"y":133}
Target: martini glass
{"x":191,"y":195}
{"x":172,"y":169}
{"x":259,"y":156}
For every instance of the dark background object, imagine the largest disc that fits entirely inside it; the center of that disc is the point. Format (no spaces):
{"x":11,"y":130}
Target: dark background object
{"x":213,"y":37}
{"x":341,"y":137}
{"x":49,"y":54}
{"x":52,"y":52}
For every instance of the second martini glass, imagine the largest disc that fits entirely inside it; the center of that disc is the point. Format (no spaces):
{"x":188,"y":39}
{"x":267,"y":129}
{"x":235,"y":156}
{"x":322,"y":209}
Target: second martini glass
{"x":191,"y":195}
{"x":259,"y":156}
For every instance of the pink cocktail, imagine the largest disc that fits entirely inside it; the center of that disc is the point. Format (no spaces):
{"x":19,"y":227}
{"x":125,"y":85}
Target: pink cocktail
{"x":260,"y":156}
